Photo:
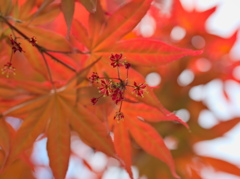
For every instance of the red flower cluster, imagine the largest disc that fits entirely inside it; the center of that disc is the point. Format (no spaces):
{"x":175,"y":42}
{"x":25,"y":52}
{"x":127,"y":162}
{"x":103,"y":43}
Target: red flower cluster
{"x":15,"y":45}
{"x":116,"y":89}
{"x":110,"y":88}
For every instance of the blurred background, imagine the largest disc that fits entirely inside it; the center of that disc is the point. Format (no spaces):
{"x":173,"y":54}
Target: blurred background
{"x":202,"y":90}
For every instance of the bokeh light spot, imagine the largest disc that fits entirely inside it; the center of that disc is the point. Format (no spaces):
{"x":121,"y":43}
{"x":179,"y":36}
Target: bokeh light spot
{"x":147,"y":26}
{"x":203,"y":64}
{"x":197,"y":93}
{"x":236,"y":72}
{"x":178,"y":33}
{"x":183,"y":114}
{"x":198,"y":42}
{"x":171,"y":142}
{"x":101,"y":161}
{"x":206,"y":119}
{"x":153,"y":79}
{"x":185,"y":78}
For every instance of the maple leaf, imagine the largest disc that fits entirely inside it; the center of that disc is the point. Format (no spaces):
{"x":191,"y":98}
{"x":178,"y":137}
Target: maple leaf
{"x":187,"y":19}
{"x":122,"y":145}
{"x":221,"y":165}
{"x":104,"y":32}
{"x":40,"y":111}
{"x":218,"y":130}
{"x":152,"y":143}
{"x":45,"y":108}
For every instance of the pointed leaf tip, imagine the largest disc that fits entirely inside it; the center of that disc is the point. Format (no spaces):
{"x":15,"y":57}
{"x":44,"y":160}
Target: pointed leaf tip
{"x":68,"y":11}
{"x":90,"y":5}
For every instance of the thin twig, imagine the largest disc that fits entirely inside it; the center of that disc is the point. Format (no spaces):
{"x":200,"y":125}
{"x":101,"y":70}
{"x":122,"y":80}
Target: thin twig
{"x":59,"y":61}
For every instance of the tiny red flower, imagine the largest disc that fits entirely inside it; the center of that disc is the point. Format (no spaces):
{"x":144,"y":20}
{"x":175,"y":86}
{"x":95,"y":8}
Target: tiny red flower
{"x":94,"y":100}
{"x":15,"y":45}
{"x":139,"y":89}
{"x":11,"y":40}
{"x":105,"y":88}
{"x":117,"y":95}
{"x":118,"y":116}
{"x":33,"y":41}
{"x":8,"y":69}
{"x":127,"y":65}
{"x":94,"y":77}
{"x":116,"y":60}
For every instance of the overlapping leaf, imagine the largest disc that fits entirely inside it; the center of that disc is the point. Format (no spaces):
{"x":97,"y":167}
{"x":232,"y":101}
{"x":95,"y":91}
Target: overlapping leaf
{"x":152,"y":143}
{"x":58,"y":130}
{"x":149,"y":113}
{"x":105,"y":33}
{"x":127,"y":18}
{"x":90,"y":5}
{"x":122,"y":145}
{"x":45,"y":109}
{"x":146,"y":52}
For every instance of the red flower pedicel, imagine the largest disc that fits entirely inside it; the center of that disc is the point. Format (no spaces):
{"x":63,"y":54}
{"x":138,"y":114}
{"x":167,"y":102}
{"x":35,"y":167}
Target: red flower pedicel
{"x":15,"y":45}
